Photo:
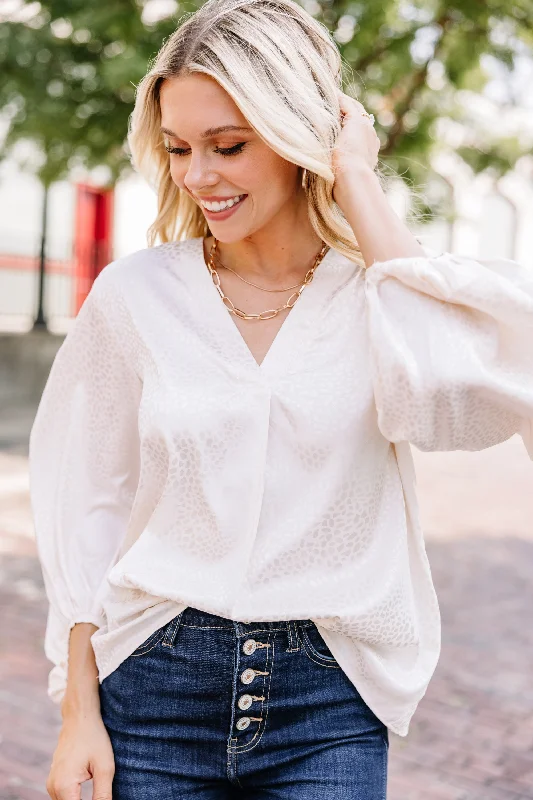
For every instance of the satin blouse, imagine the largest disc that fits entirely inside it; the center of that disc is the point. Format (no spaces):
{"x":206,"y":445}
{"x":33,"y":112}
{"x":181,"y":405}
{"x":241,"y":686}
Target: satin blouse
{"x":169,"y":469}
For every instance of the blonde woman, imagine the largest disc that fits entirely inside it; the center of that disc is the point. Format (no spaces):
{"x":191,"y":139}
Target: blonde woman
{"x":240,"y":600}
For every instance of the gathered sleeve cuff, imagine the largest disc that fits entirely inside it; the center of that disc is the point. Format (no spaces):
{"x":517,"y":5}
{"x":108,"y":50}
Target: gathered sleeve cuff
{"x":451,"y":347}
{"x":84,"y":467}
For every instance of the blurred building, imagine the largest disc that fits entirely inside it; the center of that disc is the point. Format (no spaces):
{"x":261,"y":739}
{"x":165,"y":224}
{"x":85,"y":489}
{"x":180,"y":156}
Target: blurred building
{"x":87,"y":227}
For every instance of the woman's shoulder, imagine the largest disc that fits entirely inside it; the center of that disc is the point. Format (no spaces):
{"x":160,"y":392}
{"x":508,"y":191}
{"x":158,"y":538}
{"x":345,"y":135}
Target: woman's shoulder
{"x":173,"y":256}
{"x":150,"y":270}
{"x":132,"y":289}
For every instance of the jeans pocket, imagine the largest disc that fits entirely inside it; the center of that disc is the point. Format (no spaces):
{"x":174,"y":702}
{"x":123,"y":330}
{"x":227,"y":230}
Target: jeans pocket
{"x":151,"y":642}
{"x":316,"y":648}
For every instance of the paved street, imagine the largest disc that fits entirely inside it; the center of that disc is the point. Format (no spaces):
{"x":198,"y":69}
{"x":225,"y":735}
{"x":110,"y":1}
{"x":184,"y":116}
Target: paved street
{"x":472,"y":735}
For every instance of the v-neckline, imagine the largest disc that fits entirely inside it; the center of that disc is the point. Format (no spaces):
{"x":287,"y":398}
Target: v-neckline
{"x":295,"y":329}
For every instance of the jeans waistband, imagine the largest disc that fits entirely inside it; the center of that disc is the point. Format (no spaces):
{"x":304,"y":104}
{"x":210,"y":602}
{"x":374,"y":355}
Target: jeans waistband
{"x":203,"y":619}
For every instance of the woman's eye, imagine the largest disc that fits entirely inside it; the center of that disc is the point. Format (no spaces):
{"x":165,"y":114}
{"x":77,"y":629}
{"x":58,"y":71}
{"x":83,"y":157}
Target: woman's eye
{"x":224,"y":151}
{"x":230,"y":151}
{"x":178,"y":151}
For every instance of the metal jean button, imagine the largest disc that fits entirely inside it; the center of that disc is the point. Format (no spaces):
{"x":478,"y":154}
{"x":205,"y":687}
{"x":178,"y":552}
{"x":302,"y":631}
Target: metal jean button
{"x":243,"y":723}
{"x":247,"y":676}
{"x":249,"y":646}
{"x":245,"y":701}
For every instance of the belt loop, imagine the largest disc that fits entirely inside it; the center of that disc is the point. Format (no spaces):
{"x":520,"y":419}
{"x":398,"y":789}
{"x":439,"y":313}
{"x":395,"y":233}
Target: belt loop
{"x":172,"y":631}
{"x":292,"y":630}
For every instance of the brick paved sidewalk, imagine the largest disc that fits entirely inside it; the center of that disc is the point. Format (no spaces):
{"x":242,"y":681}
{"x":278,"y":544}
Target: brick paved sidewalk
{"x":472,"y":735}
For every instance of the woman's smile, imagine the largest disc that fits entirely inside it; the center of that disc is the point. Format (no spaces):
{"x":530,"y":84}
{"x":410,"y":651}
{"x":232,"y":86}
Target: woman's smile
{"x":224,"y":213}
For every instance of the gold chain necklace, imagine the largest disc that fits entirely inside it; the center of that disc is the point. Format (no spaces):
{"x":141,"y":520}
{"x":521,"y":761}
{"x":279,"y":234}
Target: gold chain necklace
{"x":263,"y":289}
{"x":271,"y":312}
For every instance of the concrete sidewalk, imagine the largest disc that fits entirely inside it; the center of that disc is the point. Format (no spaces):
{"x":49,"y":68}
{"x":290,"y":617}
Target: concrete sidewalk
{"x":472,"y":735}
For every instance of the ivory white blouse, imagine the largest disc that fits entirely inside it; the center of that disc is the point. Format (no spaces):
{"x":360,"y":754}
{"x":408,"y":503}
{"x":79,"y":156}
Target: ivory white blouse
{"x":168,"y":469}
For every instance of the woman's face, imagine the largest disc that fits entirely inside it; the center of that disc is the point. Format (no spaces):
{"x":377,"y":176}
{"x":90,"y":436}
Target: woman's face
{"x":224,"y":165}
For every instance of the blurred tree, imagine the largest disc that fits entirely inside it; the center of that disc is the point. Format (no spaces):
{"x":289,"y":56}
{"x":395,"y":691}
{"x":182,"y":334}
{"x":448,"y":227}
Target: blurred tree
{"x":69,"y":73}
{"x":70,"y":68}
{"x":422,"y":64}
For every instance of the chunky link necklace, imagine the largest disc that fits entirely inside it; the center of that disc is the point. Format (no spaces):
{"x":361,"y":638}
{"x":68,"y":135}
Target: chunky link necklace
{"x":271,"y":312}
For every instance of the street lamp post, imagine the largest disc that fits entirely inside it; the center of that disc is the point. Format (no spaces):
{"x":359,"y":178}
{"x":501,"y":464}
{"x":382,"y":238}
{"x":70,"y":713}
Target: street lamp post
{"x":40,"y":320}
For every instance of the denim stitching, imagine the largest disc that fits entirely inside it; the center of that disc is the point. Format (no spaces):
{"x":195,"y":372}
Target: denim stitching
{"x":149,"y":644}
{"x":232,"y":757}
{"x":172,"y":631}
{"x":314,"y":656}
{"x":233,"y":739}
{"x":245,"y":633}
{"x":270,"y":630}
{"x":313,"y":648}
{"x":385,"y":757}
{"x":294,"y":644}
{"x":261,"y":630}
{"x":209,"y":627}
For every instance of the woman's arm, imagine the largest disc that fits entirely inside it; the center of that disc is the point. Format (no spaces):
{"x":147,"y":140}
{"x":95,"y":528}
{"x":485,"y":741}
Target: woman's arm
{"x":450,"y":350}
{"x":84,"y":749}
{"x":81,"y":695}
{"x":449,"y":336}
{"x":380,"y":234}
{"x":84,"y":459}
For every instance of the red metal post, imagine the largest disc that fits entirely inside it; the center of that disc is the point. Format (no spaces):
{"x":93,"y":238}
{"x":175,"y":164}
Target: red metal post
{"x":93,"y":237}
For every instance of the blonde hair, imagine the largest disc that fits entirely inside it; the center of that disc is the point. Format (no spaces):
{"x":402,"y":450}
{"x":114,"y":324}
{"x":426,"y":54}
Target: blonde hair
{"x":282,"y":68}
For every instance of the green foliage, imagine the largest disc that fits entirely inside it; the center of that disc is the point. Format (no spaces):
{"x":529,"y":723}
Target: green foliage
{"x":70,"y":70}
{"x":69,"y":76}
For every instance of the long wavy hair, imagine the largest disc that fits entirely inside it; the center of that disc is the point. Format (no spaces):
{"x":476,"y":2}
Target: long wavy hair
{"x":282,"y":68}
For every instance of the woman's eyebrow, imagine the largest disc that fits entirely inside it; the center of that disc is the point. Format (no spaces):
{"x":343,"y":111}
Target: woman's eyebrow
{"x":211,"y":131}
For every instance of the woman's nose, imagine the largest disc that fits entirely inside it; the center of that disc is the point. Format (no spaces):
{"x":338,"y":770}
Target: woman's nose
{"x":199,"y":174}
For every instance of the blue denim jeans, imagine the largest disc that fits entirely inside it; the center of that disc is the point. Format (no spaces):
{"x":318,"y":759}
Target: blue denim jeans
{"x":213,"y":709}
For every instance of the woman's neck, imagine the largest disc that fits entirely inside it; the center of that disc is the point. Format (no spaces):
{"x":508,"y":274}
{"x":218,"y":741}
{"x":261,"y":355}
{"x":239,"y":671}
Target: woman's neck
{"x":270,"y":262}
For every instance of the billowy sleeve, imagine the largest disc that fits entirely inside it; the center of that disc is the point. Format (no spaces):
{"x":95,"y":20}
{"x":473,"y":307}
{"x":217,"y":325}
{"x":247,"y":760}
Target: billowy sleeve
{"x":451,"y":349}
{"x":84,"y":467}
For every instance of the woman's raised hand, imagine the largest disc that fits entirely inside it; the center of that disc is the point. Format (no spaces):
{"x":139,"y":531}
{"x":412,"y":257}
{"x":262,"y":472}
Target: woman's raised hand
{"x":357,"y":144}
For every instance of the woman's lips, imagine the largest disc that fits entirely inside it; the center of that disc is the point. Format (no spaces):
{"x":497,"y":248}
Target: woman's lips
{"x":220,"y":215}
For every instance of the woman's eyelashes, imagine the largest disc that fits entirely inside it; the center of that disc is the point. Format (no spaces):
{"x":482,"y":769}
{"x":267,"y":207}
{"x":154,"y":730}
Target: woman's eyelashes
{"x":224,"y":151}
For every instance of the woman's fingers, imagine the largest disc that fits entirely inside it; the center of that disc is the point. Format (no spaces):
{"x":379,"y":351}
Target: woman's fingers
{"x":103,"y":782}
{"x":349,"y":105}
